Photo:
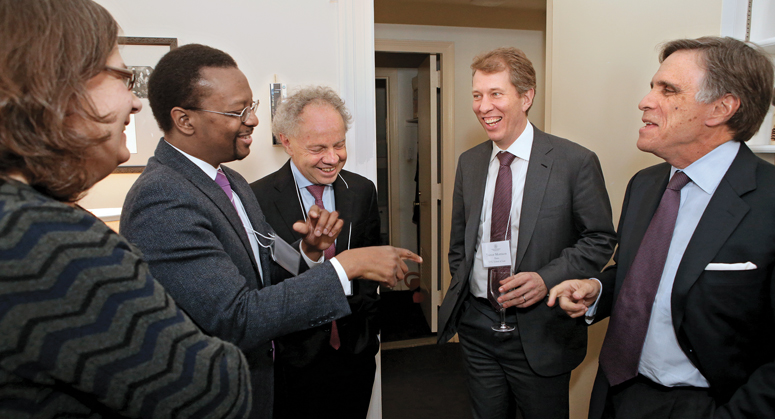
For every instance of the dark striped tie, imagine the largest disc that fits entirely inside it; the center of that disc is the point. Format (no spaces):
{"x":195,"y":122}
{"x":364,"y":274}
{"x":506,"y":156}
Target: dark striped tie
{"x":317,"y":193}
{"x":500,"y":228}
{"x":623,"y":344}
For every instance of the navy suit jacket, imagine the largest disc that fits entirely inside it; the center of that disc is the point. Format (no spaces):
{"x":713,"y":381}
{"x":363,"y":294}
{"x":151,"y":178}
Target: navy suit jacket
{"x":196,"y":246}
{"x":356,"y":202}
{"x":723,"y":319}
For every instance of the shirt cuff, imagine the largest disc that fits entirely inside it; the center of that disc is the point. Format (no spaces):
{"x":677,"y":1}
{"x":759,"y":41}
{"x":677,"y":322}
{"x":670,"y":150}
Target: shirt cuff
{"x":347,"y":285}
{"x":311,"y":263}
{"x":589,"y":316}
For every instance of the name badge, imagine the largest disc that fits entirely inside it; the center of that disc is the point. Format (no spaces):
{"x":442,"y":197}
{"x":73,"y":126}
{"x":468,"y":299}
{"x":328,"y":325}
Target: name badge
{"x":496,"y":254}
{"x":285,"y":255}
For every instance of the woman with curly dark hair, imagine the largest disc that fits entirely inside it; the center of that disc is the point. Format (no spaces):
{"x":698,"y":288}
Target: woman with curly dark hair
{"x":85,"y":330}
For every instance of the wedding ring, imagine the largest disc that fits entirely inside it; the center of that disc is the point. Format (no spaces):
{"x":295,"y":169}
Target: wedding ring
{"x":524,"y":300}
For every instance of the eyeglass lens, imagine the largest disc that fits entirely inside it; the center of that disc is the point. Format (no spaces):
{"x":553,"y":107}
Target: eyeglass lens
{"x":245,"y":114}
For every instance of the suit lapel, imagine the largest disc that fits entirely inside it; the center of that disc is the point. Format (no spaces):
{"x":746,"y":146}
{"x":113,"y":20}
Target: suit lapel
{"x":474,"y":187}
{"x":538,"y":170}
{"x":344,"y":205}
{"x":288,"y":205}
{"x":722,"y":215}
{"x":256,"y":217}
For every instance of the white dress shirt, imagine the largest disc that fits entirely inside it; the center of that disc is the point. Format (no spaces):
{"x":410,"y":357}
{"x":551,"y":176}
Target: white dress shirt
{"x":662,"y":359}
{"x":521,"y":149}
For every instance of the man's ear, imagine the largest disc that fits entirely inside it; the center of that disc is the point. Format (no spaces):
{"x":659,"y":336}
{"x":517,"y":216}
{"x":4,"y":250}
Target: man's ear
{"x":527,"y":99}
{"x":181,"y":119}
{"x":286,"y":142}
{"x":724,"y":108}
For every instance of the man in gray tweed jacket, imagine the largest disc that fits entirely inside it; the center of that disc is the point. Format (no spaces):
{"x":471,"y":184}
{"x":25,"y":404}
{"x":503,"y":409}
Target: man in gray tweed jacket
{"x":216,"y":257}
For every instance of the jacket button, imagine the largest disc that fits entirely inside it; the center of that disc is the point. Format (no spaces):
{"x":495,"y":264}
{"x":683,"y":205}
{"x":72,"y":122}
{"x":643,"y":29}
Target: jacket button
{"x":269,"y":352}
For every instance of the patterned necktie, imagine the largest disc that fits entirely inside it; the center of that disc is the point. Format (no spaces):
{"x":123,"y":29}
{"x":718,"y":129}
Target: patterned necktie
{"x":317,"y":193}
{"x":500,"y":228}
{"x":220,"y":179}
{"x":623,"y":344}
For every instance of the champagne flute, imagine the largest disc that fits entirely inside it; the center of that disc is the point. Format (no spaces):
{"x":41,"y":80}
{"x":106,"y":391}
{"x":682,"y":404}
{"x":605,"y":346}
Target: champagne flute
{"x":492,"y":295}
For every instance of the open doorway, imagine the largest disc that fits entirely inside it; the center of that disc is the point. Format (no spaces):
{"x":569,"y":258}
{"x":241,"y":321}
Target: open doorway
{"x":410,"y":153}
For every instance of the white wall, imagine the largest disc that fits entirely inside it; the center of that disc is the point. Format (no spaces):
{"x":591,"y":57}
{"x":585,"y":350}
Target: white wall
{"x":469,"y":42}
{"x":296,"y":40}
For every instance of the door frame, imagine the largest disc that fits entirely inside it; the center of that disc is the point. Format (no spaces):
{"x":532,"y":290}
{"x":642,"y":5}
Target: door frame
{"x":391,"y":77}
{"x":446,"y":51}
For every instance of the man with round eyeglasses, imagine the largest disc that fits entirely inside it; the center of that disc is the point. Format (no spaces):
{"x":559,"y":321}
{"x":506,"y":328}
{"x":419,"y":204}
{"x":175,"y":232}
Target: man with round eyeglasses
{"x":202,"y":230}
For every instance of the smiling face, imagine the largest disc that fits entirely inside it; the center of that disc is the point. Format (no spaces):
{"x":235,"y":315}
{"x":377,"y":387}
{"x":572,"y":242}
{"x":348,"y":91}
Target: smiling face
{"x":222,"y":138}
{"x":501,"y":110}
{"x":111,"y":98}
{"x":676,"y":123}
{"x":318,"y":148}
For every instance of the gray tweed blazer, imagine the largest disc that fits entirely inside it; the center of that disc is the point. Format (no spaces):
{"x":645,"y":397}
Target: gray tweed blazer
{"x":197,"y":248}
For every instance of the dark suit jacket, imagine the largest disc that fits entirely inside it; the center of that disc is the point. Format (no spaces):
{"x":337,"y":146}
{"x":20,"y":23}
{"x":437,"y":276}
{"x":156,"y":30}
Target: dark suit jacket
{"x":723,"y":319}
{"x":197,"y":247}
{"x":356,"y":202}
{"x":565,"y":231}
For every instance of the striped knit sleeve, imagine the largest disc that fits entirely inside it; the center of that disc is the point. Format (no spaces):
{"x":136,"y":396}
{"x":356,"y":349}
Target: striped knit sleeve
{"x":86,"y":331}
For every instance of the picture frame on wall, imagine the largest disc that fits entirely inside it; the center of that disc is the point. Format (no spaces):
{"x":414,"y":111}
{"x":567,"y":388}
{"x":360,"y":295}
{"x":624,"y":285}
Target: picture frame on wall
{"x":142,"y":133}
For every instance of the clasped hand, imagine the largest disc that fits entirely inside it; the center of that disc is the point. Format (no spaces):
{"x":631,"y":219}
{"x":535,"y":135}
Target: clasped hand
{"x":319,"y":231}
{"x":522,"y":290}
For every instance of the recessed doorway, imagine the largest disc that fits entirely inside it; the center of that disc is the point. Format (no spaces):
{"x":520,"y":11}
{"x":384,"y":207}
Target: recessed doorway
{"x":410,"y":153}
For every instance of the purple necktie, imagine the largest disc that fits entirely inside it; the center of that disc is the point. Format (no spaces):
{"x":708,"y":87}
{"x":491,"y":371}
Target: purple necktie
{"x":221,"y":180}
{"x":623,"y":344}
{"x":317,"y":193}
{"x":500,"y":228}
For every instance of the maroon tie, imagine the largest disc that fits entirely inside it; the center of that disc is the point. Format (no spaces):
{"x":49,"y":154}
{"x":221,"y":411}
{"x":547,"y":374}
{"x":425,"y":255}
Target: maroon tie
{"x":500,"y":228}
{"x":317,"y":193}
{"x":623,"y":344}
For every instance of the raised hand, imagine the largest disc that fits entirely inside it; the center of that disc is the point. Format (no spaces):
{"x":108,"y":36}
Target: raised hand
{"x":320,"y":231}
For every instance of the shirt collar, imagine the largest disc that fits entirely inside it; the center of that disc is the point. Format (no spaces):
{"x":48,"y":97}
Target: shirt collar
{"x":710,"y":168}
{"x":301,"y":181}
{"x":205,"y":166}
{"x":521,"y":147}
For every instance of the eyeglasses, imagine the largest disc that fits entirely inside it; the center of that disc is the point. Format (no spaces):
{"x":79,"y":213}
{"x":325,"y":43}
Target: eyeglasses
{"x":243,"y":116}
{"x":128,"y":76}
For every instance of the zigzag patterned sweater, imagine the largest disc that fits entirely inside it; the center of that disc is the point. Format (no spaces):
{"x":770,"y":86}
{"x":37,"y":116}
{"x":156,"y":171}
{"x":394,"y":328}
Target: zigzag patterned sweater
{"x":85,"y":330}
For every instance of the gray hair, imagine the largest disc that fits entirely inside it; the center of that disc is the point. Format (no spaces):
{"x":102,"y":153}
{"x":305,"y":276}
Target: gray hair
{"x":287,"y":118}
{"x":735,"y":67}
